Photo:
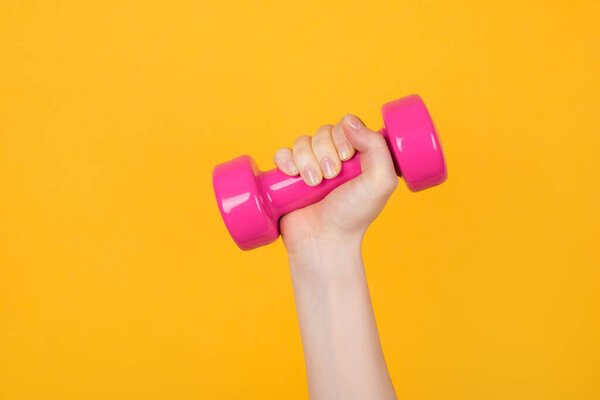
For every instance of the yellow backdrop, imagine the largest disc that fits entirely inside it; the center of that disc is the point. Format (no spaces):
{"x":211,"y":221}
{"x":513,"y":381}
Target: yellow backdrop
{"x":118,"y":279}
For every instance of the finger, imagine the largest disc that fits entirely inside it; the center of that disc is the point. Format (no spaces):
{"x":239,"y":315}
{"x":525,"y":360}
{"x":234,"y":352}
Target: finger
{"x":284,"y":160}
{"x":376,"y":161}
{"x":325,"y":152}
{"x":306,"y":162}
{"x":343,"y":146}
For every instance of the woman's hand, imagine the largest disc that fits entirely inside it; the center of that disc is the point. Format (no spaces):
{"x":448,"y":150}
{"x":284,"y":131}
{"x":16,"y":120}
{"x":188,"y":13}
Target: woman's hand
{"x":344,"y":215}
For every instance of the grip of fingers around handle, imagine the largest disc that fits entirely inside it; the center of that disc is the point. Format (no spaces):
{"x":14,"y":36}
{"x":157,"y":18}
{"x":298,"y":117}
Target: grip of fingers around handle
{"x":284,"y":194}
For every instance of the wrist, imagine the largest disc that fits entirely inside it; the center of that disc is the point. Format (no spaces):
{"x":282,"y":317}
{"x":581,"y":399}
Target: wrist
{"x":327,"y":257}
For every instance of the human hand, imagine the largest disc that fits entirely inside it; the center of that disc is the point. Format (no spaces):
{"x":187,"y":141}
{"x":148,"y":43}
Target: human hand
{"x":344,"y":215}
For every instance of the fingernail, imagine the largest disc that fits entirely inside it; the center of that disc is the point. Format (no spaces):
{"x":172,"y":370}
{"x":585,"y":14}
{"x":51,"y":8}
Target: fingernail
{"x":291,"y":167}
{"x":310,"y":176}
{"x":353,"y":122}
{"x":344,"y":150}
{"x":328,"y":167}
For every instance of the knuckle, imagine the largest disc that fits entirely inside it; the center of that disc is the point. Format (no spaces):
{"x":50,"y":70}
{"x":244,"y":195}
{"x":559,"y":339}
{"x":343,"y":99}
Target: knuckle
{"x":281,"y":153}
{"x":302,"y":140}
{"x":323,"y":134}
{"x":303,"y":157}
{"x":337,"y":132}
{"x":325,"y":129}
{"x":302,"y":152}
{"x":301,"y":145}
{"x":321,"y":147}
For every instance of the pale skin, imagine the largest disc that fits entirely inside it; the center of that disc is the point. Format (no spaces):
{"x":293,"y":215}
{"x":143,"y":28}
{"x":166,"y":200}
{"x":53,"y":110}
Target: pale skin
{"x":342,"y":351}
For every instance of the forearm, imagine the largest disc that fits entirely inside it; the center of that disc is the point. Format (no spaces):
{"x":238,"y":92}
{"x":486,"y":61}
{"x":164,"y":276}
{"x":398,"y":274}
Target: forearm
{"x":341,"y":344}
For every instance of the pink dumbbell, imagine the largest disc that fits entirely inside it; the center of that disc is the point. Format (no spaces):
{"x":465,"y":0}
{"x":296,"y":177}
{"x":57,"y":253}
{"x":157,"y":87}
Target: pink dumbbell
{"x":251,"y":201}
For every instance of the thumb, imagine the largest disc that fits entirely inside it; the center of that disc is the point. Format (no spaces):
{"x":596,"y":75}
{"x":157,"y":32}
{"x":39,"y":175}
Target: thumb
{"x":375,"y":160}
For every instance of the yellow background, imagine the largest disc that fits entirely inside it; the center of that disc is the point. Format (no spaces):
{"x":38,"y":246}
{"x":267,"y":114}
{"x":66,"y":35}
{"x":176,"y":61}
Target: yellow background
{"x":118,"y":279}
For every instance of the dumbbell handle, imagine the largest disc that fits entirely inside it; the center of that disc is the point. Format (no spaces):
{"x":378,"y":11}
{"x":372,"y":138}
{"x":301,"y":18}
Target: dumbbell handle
{"x":284,"y":193}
